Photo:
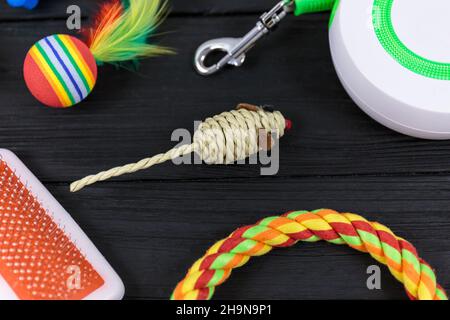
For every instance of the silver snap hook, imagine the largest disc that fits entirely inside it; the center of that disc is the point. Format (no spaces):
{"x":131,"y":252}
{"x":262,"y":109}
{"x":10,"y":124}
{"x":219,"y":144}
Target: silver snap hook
{"x":226,"y":45}
{"x":236,"y":48}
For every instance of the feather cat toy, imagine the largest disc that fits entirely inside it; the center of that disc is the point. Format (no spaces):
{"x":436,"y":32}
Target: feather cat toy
{"x":61,"y":71}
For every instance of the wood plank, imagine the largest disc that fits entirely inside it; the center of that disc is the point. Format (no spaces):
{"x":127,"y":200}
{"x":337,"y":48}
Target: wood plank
{"x":132,"y":115}
{"x":57,"y":9}
{"x":151,"y":232}
{"x":152,"y":225}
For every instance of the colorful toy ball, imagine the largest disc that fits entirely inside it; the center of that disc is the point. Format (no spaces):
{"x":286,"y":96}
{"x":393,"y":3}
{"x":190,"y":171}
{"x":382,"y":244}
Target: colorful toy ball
{"x":61,"y":71}
{"x":27,"y":4}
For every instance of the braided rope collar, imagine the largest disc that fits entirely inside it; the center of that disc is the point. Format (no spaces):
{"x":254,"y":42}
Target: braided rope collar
{"x":380,"y":242}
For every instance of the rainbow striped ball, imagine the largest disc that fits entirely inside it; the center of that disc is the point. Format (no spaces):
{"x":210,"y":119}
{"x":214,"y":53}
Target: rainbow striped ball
{"x":60,"y":71}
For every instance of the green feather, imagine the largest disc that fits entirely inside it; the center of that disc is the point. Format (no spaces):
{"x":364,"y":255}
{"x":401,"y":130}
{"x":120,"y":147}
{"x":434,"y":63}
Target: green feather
{"x":123,"y":31}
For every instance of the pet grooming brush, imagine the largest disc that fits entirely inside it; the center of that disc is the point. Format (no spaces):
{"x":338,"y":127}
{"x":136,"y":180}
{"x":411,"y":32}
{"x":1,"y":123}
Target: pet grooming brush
{"x":44,"y":253}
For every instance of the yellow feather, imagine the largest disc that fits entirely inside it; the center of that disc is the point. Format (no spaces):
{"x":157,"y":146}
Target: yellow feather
{"x":122,"y":34}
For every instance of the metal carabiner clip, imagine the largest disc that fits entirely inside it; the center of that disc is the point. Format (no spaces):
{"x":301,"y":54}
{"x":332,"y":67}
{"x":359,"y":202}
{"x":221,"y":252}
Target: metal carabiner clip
{"x":236,"y":48}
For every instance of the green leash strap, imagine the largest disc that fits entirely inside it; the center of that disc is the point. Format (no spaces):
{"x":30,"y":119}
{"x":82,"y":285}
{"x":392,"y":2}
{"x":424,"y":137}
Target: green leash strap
{"x":309,"y":6}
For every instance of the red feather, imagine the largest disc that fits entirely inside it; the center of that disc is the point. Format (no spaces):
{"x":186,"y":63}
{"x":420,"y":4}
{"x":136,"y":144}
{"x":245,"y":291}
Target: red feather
{"x":108,"y":13}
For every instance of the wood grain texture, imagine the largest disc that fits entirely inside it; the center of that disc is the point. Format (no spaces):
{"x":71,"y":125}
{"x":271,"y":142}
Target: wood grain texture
{"x":152,"y":225}
{"x":131,"y":115}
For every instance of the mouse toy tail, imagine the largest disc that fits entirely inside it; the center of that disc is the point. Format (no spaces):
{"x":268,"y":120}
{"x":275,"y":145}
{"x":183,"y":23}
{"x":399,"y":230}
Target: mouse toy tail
{"x":132,"y":167}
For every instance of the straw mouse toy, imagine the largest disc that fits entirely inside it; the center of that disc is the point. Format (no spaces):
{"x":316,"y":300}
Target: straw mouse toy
{"x":61,"y":71}
{"x":222,"y":139}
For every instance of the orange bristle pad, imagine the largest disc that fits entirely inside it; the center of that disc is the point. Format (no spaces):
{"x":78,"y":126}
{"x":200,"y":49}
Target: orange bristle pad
{"x":37,"y":259}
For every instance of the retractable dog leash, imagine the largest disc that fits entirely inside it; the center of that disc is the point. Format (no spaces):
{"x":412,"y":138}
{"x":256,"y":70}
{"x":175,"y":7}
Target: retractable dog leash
{"x":237,"y":48}
{"x":392,"y":57}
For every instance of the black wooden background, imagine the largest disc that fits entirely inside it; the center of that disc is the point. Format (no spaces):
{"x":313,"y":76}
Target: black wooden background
{"x":152,"y":225}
